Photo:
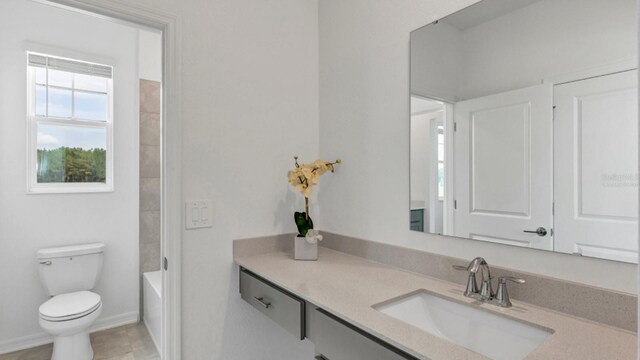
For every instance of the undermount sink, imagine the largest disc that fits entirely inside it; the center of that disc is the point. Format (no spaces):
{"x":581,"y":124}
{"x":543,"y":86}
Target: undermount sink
{"x":484,"y":332}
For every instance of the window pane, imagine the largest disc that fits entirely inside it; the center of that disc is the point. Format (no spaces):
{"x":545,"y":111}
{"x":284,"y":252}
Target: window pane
{"x":69,"y":154}
{"x":440,"y":152}
{"x":440,"y":180}
{"x":41,"y":75}
{"x":91,"y":83}
{"x":41,"y":100}
{"x":90,"y":106}
{"x":59,"y":102}
{"x":60,"y":78}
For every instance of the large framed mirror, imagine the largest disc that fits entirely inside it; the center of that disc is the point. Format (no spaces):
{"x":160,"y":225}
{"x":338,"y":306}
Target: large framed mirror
{"x":524,"y":126}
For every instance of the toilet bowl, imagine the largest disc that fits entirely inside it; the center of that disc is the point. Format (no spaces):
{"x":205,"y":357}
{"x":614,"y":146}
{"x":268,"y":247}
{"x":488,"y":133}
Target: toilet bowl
{"x":68,"y":274}
{"x":68,"y":317}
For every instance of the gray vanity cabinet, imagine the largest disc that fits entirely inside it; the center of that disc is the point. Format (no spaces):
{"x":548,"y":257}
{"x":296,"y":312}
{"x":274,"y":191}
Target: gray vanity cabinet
{"x":278,"y":304}
{"x":336,"y":339}
{"x":417,"y":219}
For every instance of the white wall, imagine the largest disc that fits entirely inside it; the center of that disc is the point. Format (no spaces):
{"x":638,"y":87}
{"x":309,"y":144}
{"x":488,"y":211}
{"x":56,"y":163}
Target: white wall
{"x":543,"y":40}
{"x":150,"y":55}
{"x":30,"y":222}
{"x":437,"y":56}
{"x":250,"y":103}
{"x":364,"y":119}
{"x":513,"y":51}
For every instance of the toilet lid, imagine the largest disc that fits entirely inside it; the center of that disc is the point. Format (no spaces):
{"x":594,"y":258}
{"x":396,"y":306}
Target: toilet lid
{"x":70,"y":306}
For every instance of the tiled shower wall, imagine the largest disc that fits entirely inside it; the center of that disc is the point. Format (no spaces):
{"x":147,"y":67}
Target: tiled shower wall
{"x":149,"y":175}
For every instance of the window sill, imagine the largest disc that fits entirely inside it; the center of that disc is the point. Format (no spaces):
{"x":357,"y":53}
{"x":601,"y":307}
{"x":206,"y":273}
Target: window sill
{"x":69,"y":189}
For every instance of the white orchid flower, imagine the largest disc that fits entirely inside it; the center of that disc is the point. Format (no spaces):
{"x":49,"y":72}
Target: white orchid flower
{"x":313,"y":236}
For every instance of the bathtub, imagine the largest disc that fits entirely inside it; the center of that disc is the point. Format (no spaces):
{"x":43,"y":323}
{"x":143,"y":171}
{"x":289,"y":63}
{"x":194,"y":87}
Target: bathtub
{"x":152,"y":298}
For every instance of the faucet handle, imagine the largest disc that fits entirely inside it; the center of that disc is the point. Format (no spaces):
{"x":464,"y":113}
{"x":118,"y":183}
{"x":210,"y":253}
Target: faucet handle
{"x":472,"y":285}
{"x":460,"y":267}
{"x":502,"y":295}
{"x":504,"y":279}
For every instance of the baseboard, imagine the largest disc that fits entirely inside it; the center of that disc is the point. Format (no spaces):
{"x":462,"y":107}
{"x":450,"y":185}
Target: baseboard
{"x":25,"y":342}
{"x":42,"y":338}
{"x":115,"y":321}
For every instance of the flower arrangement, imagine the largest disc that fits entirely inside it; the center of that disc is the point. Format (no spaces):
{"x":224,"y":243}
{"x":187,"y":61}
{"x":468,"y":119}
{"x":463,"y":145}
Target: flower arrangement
{"x":303,"y":178}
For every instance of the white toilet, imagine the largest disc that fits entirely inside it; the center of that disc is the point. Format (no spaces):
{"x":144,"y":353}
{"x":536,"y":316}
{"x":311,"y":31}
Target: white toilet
{"x":68,"y":273}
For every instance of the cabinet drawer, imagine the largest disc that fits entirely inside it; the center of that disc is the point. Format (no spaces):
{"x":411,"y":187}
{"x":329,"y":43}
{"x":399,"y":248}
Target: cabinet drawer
{"x":337,"y":340}
{"x":417,"y":215}
{"x":281,"y":306}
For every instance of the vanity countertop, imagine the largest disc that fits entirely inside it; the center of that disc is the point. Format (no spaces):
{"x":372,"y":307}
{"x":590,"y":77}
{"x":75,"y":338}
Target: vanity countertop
{"x":349,"y":286}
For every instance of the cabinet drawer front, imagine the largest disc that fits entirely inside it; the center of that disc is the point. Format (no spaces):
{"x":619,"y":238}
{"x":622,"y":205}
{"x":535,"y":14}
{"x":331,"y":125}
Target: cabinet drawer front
{"x":337,"y":340}
{"x":417,"y":215}
{"x":279,"y":305}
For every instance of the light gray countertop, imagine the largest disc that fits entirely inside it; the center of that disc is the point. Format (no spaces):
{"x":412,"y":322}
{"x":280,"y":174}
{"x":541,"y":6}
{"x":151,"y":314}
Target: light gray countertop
{"x":349,"y":286}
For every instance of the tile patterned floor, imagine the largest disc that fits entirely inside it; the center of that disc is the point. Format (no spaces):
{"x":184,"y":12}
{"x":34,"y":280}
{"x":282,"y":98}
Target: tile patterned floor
{"x":129,"y":342}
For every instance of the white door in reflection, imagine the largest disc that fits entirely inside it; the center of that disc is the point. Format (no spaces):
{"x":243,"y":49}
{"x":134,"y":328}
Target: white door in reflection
{"x":503,"y":167}
{"x":596,"y":167}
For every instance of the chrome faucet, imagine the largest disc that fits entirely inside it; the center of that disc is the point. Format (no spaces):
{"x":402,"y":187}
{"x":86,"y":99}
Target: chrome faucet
{"x":477,"y":265}
{"x":501,"y":298}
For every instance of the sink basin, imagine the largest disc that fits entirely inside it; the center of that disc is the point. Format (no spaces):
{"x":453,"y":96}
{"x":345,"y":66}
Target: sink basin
{"x":484,"y":332}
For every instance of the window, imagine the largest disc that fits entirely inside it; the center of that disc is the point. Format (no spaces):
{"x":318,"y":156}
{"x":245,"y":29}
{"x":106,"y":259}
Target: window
{"x":70,"y":123}
{"x":440,"y":175}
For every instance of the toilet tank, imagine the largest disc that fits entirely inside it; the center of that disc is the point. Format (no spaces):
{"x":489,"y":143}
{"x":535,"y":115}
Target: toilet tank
{"x":70,"y":268}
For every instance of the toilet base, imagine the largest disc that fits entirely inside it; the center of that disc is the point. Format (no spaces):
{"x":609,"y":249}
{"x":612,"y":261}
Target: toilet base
{"x":71,"y":337}
{"x":76,"y":347}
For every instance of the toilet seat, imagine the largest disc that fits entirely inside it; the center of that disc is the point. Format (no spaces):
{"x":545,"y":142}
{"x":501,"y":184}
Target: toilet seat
{"x":70,"y":306}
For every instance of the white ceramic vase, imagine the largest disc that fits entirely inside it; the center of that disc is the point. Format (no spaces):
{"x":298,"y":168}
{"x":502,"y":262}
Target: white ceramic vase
{"x":303,"y":250}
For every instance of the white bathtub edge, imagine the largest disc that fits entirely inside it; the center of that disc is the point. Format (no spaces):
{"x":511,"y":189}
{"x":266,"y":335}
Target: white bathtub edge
{"x":152,"y":298}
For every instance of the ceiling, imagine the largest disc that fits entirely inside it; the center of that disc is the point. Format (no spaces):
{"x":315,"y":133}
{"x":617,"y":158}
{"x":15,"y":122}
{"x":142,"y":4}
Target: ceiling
{"x":421,"y":105}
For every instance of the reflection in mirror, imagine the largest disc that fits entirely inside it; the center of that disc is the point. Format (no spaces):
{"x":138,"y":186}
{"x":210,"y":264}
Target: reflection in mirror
{"x":524,"y":126}
{"x":428,"y":164}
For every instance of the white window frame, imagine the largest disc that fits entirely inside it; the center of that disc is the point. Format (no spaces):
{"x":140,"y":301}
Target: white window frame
{"x":439,"y":125}
{"x":33,"y":187}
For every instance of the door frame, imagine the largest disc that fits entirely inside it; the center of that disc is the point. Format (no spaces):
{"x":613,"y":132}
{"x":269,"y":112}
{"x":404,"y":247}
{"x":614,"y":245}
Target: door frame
{"x":613,"y":67}
{"x":171,"y":184}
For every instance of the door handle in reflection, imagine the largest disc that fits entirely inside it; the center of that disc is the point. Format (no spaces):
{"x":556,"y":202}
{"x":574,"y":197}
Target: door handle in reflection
{"x":540,"y":231}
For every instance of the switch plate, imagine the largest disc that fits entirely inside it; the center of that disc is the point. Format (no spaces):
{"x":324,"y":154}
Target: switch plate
{"x":198,"y":214}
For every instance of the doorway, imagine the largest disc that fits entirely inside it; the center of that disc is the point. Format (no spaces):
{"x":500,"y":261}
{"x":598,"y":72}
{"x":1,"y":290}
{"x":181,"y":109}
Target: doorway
{"x":167,"y":258}
{"x":431,"y":153}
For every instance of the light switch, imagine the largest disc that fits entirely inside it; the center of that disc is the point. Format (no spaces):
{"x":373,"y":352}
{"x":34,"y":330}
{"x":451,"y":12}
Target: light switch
{"x":198,"y":214}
